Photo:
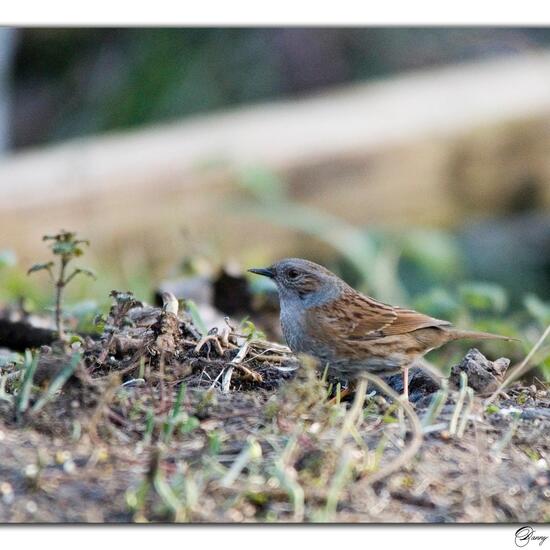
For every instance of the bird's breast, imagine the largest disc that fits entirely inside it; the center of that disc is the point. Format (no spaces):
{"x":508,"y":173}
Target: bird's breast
{"x":299,"y":336}
{"x":293,"y":326}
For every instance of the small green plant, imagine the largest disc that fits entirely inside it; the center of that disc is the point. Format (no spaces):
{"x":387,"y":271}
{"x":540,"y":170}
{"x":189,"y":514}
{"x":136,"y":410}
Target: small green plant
{"x":174,"y":415}
{"x":250,"y":331}
{"x":492,"y":409}
{"x":194,"y":312}
{"x":23,"y":396}
{"x":66,"y":247}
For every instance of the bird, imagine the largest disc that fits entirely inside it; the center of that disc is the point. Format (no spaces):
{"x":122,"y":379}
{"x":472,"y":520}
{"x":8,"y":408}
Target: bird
{"x":324,"y":317}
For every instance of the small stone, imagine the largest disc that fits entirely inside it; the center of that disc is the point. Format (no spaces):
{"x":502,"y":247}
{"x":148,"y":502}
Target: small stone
{"x":483,"y":375}
{"x":235,"y":516}
{"x":542,"y":480}
{"x":6,"y":490}
{"x":31,"y":471}
{"x":69,"y":466}
{"x":31,"y":507}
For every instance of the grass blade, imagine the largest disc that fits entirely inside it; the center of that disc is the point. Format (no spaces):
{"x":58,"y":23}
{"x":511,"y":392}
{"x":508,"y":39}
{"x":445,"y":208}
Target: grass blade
{"x":25,"y":391}
{"x":57,"y":383}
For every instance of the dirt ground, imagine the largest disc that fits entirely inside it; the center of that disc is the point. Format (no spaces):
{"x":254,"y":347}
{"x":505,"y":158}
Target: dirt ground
{"x":154,"y":421}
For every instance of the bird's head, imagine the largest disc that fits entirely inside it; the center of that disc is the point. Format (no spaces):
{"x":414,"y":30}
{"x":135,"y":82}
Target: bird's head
{"x":302,"y":280}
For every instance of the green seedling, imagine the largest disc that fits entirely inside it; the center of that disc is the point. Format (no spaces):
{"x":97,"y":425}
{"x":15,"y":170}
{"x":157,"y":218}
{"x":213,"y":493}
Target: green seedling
{"x":66,"y":247}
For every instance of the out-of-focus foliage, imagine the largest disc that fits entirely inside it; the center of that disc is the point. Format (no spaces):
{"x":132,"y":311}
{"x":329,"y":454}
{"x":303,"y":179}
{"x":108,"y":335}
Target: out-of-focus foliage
{"x":7,"y":258}
{"x":483,"y":297}
{"x":538,"y":309}
{"x":71,"y":82}
{"x":374,"y":265}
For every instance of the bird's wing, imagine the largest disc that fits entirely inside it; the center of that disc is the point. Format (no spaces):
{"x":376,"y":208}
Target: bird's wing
{"x":358,"y":317}
{"x":351,"y":316}
{"x":408,"y":320}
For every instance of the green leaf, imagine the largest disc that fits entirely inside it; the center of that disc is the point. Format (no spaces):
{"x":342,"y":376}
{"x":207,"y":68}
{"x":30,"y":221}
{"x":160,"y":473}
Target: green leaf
{"x":545,"y":368}
{"x":31,"y":363}
{"x":192,"y":423}
{"x":75,"y":338}
{"x":174,"y":413}
{"x":88,"y":272}
{"x":196,"y":316}
{"x":250,"y":331}
{"x":214,"y":443}
{"x":168,"y":496}
{"x":122,"y":297}
{"x":38,"y":267}
{"x":78,"y":271}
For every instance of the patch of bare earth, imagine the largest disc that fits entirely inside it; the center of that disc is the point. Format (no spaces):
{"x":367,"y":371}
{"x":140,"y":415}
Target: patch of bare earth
{"x":158,"y":422}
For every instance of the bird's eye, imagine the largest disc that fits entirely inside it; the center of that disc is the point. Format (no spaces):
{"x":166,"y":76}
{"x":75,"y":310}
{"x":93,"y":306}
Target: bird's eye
{"x":292,"y":274}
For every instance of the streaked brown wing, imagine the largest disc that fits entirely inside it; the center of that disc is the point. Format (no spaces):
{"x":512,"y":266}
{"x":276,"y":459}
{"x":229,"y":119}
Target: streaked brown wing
{"x":358,"y":317}
{"x":353,"y":316}
{"x":408,"y":320}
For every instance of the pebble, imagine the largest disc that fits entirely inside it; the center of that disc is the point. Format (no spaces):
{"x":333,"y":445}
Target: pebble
{"x":6,"y":490}
{"x":69,"y":466}
{"x":31,"y":471}
{"x":31,"y":507}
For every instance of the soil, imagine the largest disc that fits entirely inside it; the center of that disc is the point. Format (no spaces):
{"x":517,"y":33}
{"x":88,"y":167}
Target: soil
{"x":157,"y":422}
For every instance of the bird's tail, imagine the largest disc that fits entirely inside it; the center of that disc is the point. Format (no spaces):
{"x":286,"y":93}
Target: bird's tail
{"x":457,"y":334}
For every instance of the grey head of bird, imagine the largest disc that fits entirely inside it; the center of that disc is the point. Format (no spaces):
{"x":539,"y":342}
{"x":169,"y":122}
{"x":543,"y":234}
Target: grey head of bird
{"x":301,"y":283}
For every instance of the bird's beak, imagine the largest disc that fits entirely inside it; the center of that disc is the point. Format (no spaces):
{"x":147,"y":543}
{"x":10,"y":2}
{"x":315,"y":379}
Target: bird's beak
{"x":266,"y":272}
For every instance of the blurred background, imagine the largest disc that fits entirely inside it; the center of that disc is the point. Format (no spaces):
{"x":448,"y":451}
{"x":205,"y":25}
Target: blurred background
{"x":412,"y":161}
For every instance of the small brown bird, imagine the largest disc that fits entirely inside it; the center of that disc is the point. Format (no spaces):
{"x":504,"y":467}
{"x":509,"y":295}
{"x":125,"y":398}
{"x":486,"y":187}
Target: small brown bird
{"x":324,"y":317}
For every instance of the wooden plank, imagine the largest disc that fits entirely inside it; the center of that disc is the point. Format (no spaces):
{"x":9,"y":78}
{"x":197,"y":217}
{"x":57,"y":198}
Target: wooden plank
{"x":423,"y":148}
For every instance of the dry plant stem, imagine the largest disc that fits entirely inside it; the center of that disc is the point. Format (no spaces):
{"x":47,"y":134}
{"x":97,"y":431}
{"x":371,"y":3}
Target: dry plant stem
{"x":467,"y":412}
{"x":161,"y":382}
{"x":459,"y":403}
{"x":209,"y":338}
{"x":354,"y":413}
{"x":113,"y":382}
{"x":487,"y":511}
{"x":521,"y":369}
{"x":339,"y":481}
{"x":436,"y":405}
{"x":226,"y":382}
{"x":59,"y":286}
{"x":416,"y":441}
